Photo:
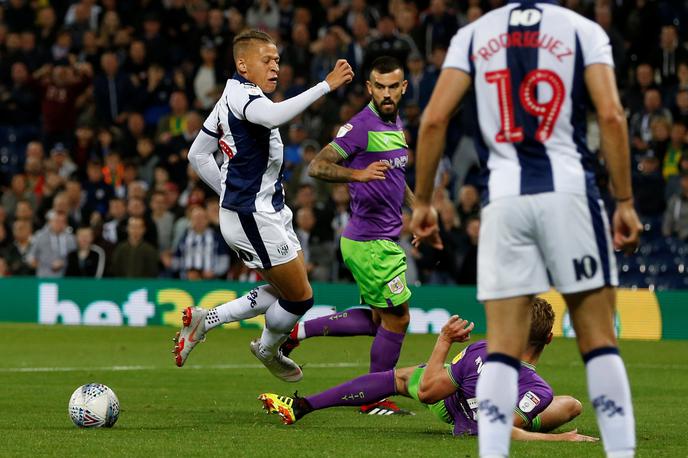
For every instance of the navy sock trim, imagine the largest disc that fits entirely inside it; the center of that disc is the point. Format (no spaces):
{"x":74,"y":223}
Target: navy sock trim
{"x":599,"y":352}
{"x":296,"y":307}
{"x":504,"y":359}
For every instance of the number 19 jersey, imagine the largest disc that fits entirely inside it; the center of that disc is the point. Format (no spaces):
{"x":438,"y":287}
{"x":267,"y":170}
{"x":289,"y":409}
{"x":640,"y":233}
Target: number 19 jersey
{"x":527,"y":61}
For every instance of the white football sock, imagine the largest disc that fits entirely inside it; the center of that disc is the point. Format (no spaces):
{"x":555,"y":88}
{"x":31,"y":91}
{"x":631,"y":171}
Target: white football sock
{"x":610,"y":395}
{"x":496,"y":391}
{"x":278,"y":325}
{"x":301,"y":332}
{"x":254,"y":303}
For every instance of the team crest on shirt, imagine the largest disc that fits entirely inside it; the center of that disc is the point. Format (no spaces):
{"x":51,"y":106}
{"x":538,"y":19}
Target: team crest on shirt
{"x":345,"y":129}
{"x":396,"y":286}
{"x":251,"y":89}
{"x":528,"y":402}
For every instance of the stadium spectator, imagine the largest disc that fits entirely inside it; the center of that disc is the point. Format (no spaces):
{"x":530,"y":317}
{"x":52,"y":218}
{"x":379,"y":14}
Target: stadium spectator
{"x":671,"y":52}
{"x":200,"y":250}
{"x":163,"y":219}
{"x":61,"y":160}
{"x":174,"y":123}
{"x":676,"y":215}
{"x":137,"y":208}
{"x":389,"y":43}
{"x":147,"y":159}
{"x":97,"y":192}
{"x":48,"y":254}
{"x":61,"y":90}
{"x":87,"y":260}
{"x":438,"y":27}
{"x":680,"y":109}
{"x":20,"y":102}
{"x":317,"y":252}
{"x":134,"y":257}
{"x":208,"y":79}
{"x":24,"y":212}
{"x":357,"y":44}
{"x":297,"y":54}
{"x":648,"y":186}
{"x":117,"y":213}
{"x":263,"y":15}
{"x":639,"y":127}
{"x":17,"y":253}
{"x":603,"y":16}
{"x":635,"y":95}
{"x":112,"y":90}
{"x":18,"y":191}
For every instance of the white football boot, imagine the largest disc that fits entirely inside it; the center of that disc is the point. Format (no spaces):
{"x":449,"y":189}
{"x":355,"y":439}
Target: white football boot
{"x":281,"y":367}
{"x":191,"y":333}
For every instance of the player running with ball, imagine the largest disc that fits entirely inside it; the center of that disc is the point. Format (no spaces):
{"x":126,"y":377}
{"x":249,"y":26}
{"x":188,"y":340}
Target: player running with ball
{"x":254,"y":220}
{"x":370,"y":153}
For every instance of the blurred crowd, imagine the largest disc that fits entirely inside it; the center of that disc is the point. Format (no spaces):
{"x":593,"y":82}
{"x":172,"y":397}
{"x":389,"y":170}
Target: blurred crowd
{"x":100,"y":101}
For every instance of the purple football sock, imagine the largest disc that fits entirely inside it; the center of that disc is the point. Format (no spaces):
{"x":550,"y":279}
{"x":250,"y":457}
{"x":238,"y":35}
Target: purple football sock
{"x":384,"y":353}
{"x":352,"y":322}
{"x":357,"y":392}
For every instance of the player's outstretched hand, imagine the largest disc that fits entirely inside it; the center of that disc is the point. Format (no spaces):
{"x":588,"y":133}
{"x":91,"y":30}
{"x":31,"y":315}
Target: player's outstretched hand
{"x":573,"y":436}
{"x":375,"y":171}
{"x":424,"y":226}
{"x":457,"y":329}
{"x":627,"y":227}
{"x":341,"y":74}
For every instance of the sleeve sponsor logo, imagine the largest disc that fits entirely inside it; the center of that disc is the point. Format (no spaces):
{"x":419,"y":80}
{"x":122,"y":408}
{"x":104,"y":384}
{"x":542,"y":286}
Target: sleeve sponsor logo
{"x":396,"y":286}
{"x":528,"y":402}
{"x":345,"y":129}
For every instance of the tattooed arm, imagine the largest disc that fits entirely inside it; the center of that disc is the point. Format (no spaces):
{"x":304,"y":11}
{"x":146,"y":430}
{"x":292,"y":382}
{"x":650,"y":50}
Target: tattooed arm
{"x":325,"y":167}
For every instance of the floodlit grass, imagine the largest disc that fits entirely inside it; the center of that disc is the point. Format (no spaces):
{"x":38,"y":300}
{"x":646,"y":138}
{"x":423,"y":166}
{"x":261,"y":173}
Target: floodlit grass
{"x":209,"y":408}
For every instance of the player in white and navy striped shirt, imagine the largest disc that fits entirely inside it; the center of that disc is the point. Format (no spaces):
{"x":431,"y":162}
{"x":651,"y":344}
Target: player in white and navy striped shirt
{"x":254,"y":220}
{"x":532,"y":66}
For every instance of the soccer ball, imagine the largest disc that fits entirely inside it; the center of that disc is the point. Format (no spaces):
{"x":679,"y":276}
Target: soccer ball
{"x":93,"y":405}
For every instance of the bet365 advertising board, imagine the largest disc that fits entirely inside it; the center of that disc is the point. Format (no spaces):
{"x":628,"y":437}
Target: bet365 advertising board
{"x":641,"y":314}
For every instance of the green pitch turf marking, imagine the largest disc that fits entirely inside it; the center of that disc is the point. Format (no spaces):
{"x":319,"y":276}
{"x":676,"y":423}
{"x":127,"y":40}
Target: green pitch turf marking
{"x":210,"y":408}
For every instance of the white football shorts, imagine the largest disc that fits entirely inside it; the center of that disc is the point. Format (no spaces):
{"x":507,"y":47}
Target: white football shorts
{"x":261,"y":239}
{"x":530,"y":242}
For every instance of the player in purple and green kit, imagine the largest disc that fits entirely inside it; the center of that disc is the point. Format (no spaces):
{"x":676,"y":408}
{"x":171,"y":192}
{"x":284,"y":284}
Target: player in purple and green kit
{"x":448,"y":390}
{"x":370,"y":153}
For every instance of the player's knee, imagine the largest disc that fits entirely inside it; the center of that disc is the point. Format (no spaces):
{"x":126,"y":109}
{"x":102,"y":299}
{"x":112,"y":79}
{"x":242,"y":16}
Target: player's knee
{"x":572,"y":407}
{"x":298,"y":293}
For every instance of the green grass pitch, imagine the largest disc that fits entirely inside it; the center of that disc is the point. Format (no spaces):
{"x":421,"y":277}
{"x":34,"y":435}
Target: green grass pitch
{"x":209,"y":408}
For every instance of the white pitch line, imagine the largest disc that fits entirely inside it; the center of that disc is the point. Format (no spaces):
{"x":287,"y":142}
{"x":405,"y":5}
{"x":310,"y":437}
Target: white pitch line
{"x":260,"y":366}
{"x":155,"y":368}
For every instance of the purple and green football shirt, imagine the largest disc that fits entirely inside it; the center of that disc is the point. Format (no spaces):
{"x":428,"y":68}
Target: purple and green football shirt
{"x":534,"y":394}
{"x":376,"y":205}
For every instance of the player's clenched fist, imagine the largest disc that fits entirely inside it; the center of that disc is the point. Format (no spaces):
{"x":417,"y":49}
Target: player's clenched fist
{"x":340,"y":75}
{"x":375,"y":171}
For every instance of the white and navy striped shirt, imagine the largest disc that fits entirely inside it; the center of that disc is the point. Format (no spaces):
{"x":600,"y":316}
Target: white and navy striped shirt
{"x":253,"y":154}
{"x":527,"y":61}
{"x":204,"y":251}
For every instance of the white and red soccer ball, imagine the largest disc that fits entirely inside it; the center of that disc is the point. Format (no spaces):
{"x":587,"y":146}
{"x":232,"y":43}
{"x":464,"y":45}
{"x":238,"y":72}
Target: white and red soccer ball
{"x":94,"y":405}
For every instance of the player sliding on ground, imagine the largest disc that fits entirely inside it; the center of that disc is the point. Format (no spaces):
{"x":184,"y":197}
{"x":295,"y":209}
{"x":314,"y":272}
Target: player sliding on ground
{"x":254,"y":220}
{"x":370,"y":153}
{"x":543,"y":222}
{"x":449,"y":390}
